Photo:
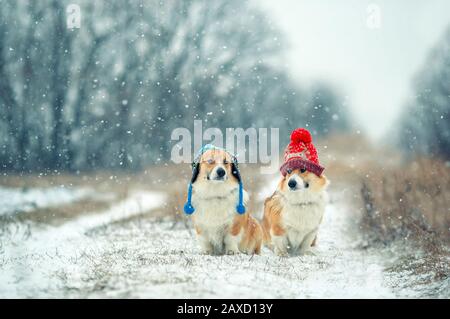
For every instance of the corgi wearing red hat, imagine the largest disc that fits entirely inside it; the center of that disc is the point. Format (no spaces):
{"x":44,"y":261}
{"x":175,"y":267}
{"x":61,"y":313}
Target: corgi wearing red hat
{"x":293,"y":213}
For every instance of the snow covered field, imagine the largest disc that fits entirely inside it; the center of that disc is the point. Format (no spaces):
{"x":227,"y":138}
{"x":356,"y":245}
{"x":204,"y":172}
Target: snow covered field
{"x":24,"y":200}
{"x":119,"y":253}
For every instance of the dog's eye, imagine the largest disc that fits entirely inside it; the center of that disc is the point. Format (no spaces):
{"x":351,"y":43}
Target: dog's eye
{"x":225,"y":162}
{"x":302,"y":170}
{"x":210,"y":161}
{"x":289,"y":171}
{"x":306,"y":185}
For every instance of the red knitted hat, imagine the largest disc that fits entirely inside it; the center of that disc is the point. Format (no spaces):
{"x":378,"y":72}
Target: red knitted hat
{"x":301,"y":153}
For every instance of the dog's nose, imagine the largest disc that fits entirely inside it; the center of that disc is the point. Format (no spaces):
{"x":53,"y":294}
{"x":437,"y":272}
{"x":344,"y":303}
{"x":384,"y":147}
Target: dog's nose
{"x":220,"y":172}
{"x":292,"y":183}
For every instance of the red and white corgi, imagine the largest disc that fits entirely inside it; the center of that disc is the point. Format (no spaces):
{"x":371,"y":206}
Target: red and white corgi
{"x":293,"y":213}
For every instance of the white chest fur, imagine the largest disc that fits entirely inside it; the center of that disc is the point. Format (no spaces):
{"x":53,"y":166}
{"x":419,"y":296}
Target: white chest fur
{"x":301,"y":221}
{"x":215,"y":209}
{"x":303,"y":218}
{"x":214,"y":212}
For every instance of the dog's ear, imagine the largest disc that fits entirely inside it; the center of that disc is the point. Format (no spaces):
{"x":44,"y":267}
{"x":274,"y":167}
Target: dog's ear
{"x":195,"y":171}
{"x":235,"y":170}
{"x":281,"y":183}
{"x":324,"y":181}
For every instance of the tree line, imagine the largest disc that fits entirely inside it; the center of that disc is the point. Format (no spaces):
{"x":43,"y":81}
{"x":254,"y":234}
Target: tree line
{"x":424,"y":123}
{"x":108,"y":94}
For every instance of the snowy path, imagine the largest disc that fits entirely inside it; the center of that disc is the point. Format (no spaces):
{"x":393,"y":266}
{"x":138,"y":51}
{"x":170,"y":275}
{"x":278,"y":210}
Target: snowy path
{"x":29,"y":264}
{"x":15,"y":200}
{"x":99,"y":256}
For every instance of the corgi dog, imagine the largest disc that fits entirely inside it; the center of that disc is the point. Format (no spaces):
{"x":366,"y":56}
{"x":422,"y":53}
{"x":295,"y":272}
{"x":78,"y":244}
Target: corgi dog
{"x":293,"y":213}
{"x":220,"y":225}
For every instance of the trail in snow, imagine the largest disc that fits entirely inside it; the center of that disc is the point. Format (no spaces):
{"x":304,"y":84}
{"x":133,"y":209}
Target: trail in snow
{"x":94,"y":257}
{"x":16,"y":200}
{"x":29,"y":265}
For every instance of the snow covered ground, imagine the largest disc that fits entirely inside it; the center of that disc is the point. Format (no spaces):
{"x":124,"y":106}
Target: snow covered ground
{"x":118,"y":253}
{"x":17,"y":200}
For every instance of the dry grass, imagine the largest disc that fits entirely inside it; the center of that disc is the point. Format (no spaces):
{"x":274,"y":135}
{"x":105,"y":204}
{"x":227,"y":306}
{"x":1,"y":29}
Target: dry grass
{"x":60,"y":214}
{"x":394,"y":200}
{"x":411,"y":204}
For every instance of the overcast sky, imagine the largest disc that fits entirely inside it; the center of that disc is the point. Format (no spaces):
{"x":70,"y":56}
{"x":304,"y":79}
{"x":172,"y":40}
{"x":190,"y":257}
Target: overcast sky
{"x":330,"y":40}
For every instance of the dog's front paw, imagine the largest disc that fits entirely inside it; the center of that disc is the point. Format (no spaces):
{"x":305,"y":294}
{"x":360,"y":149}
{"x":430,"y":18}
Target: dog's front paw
{"x":232,"y":252}
{"x":281,"y":252}
{"x":207,"y":252}
{"x":206,"y":247}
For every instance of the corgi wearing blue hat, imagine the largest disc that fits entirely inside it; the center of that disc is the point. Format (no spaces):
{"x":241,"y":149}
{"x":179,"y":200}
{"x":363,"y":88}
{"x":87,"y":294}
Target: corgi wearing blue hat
{"x":216,"y":202}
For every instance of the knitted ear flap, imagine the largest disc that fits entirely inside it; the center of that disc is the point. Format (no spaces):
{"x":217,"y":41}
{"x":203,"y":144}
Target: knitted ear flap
{"x":188,"y":208}
{"x":195,"y":171}
{"x":240,"y":208}
{"x":235,"y":170}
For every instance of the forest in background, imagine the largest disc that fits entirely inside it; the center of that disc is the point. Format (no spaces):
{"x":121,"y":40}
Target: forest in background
{"x":109,"y":94}
{"x":424,"y":124}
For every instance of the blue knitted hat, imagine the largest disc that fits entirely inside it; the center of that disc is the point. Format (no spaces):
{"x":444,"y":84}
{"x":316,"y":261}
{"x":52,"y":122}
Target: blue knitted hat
{"x":240,"y":208}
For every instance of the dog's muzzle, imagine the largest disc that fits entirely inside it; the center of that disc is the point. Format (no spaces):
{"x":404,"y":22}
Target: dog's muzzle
{"x":297,"y":183}
{"x":218,"y":174}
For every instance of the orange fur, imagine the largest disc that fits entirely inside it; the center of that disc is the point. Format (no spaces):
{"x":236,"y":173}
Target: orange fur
{"x":272,"y":218}
{"x":251,"y":239}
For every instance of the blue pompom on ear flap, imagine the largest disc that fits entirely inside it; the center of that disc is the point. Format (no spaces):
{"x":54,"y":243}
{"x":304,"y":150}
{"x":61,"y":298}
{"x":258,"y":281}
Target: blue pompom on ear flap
{"x":240,"y":208}
{"x":188,"y":208}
